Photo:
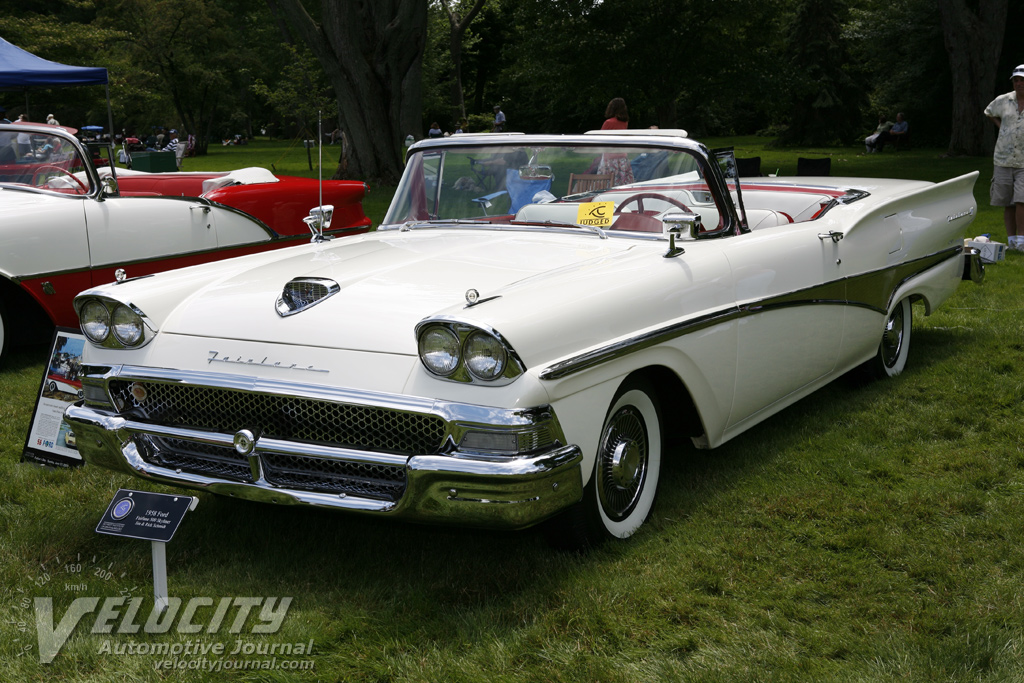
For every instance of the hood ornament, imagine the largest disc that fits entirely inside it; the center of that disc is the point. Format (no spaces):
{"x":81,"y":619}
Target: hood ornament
{"x":301,"y":293}
{"x":473,"y":298}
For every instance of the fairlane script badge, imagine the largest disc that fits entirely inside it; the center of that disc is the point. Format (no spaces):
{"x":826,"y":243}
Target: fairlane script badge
{"x":962,"y":214}
{"x":599,"y":214}
{"x":215,"y":357}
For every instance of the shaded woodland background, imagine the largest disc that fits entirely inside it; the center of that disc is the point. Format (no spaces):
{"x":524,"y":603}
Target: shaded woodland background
{"x":801,"y":71}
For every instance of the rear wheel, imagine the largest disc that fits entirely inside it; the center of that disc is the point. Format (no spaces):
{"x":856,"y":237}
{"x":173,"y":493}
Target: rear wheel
{"x":622,"y":488}
{"x":894,"y":348}
{"x":4,"y":332}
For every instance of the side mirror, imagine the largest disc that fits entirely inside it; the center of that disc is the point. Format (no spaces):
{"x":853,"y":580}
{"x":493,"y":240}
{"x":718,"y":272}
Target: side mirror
{"x":677,"y":219}
{"x":108,"y":187}
{"x":318,"y":220}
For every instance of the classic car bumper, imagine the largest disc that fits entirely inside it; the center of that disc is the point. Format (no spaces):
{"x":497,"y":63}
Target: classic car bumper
{"x":490,"y":467}
{"x":974,"y":267}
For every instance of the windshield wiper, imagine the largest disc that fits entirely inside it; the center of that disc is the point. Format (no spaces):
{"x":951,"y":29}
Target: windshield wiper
{"x":565,"y":224}
{"x":409,"y":225}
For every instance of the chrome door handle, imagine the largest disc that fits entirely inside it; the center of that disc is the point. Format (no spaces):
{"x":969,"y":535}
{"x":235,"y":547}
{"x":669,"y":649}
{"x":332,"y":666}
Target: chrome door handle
{"x":831,"y":234}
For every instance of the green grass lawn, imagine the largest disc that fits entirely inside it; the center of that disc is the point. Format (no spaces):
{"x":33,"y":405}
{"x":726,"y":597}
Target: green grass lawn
{"x":868,"y":533}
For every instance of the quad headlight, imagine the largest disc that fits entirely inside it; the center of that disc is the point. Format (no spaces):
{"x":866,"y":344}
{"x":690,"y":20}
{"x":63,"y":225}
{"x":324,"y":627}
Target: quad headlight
{"x":112,"y":324}
{"x":440,"y":350}
{"x":485,"y":356}
{"x":466,"y":353}
{"x":95,"y":321}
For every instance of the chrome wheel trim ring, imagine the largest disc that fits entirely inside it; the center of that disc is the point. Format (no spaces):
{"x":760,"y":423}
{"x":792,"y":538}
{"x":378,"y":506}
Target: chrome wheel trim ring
{"x":892,"y":339}
{"x":622,"y":463}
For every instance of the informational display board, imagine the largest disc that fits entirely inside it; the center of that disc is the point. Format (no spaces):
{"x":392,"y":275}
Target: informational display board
{"x":144,"y":515}
{"x":50,"y":441}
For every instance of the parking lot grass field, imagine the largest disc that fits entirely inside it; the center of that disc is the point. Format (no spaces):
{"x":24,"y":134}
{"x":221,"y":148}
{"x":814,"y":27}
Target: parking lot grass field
{"x":870,"y":532}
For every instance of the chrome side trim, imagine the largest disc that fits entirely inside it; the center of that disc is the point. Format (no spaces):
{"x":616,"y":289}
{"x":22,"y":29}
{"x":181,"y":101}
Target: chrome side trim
{"x":873,"y":290}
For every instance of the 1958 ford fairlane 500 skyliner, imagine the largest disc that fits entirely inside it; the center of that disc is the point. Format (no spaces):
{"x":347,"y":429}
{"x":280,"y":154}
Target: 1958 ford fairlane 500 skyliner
{"x":514,"y":343}
{"x":66,"y":225}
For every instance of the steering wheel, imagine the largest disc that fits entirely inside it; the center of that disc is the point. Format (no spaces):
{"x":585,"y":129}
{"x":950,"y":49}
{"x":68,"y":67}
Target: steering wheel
{"x":640,"y":197}
{"x":51,"y":167}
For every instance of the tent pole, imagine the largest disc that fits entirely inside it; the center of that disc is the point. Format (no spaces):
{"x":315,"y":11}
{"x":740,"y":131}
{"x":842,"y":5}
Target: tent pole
{"x":27,"y":117}
{"x":110,"y":123}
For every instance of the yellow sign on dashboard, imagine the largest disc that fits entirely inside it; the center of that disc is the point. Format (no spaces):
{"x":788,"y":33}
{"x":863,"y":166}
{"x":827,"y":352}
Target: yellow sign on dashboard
{"x":599,"y":214}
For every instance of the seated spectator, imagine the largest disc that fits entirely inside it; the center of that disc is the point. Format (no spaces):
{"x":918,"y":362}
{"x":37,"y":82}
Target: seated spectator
{"x":871,"y":141}
{"x":896,"y":134}
{"x":435,"y":131}
{"x":172,"y":145}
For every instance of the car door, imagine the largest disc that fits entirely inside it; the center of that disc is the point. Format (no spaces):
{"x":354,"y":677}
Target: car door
{"x":141,"y":234}
{"x":791,"y":299}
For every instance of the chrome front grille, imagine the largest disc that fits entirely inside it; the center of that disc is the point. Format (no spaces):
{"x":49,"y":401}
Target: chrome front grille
{"x":225,"y":411}
{"x":364,"y":428}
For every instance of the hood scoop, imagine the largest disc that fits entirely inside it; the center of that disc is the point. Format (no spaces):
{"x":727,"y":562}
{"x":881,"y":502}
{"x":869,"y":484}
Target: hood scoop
{"x":301,"y":293}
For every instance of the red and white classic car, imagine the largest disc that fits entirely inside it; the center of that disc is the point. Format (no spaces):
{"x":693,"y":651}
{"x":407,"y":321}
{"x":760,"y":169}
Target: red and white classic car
{"x":65,"y":227}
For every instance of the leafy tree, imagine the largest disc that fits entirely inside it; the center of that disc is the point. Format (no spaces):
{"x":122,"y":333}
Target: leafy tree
{"x":62,"y":32}
{"x":192,"y":50}
{"x":826,"y":97}
{"x":372,"y":53}
{"x":457,"y":25}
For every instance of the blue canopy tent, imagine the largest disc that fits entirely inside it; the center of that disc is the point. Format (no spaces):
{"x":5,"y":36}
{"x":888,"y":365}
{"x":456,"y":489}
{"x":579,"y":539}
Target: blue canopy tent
{"x":21,"y":70}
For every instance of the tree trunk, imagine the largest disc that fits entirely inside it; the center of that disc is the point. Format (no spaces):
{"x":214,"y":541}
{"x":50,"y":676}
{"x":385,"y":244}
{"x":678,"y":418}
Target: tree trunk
{"x":458,"y":28}
{"x":974,"y":40}
{"x":372,"y":52}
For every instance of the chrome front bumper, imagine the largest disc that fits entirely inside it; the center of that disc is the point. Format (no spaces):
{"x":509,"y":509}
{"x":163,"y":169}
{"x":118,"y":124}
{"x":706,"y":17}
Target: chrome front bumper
{"x":453,"y":485}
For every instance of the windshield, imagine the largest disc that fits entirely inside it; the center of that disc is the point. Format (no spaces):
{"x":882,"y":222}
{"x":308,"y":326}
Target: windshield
{"x":42,"y":161}
{"x":615,"y":187}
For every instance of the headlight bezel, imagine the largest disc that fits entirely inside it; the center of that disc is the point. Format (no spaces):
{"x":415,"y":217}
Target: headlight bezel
{"x":511,"y":364}
{"x":129,"y":314}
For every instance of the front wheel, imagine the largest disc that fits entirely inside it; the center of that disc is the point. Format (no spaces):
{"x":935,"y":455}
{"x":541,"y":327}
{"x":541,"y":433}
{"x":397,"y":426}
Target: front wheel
{"x":622,"y":488}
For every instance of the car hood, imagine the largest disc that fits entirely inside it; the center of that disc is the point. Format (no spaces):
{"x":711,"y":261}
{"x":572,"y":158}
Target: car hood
{"x":388,"y":283}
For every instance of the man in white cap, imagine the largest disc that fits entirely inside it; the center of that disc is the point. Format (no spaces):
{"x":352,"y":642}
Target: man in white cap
{"x":1007,"y":191}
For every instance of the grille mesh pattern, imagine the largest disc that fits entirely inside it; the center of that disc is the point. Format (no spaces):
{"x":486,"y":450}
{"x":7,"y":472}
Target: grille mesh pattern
{"x":335,"y":476}
{"x":297,"y":419}
{"x":292,"y":419}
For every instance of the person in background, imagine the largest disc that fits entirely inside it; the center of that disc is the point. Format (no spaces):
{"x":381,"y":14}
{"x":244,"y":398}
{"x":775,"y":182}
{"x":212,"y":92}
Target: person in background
{"x":463,"y":125}
{"x":499,"y":120}
{"x":24,"y":139}
{"x":50,"y":119}
{"x":893,"y":135}
{"x":1007,"y":189}
{"x":3,"y":116}
{"x":871,"y":141}
{"x":616,"y":117}
{"x":435,"y":131}
{"x":172,"y":144}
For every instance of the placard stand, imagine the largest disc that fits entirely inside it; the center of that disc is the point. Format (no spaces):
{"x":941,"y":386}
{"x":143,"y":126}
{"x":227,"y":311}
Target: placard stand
{"x":160,"y":595}
{"x":150,"y":517}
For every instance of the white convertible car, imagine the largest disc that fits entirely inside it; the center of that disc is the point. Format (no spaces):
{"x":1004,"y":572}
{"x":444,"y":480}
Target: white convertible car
{"x":516,"y":341}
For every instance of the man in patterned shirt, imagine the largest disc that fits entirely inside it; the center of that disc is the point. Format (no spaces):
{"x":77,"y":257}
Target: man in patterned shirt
{"x":1007,"y":112}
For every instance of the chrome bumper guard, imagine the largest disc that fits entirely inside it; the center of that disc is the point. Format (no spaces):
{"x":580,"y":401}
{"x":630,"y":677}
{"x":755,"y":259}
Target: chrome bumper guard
{"x":449,"y":486}
{"x":974,"y":267}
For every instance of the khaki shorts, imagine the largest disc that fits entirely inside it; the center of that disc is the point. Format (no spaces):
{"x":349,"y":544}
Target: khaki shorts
{"x":1007,"y":186}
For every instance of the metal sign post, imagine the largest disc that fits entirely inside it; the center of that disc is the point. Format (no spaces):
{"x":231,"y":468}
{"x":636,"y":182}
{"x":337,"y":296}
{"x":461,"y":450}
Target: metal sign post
{"x":150,"y":517}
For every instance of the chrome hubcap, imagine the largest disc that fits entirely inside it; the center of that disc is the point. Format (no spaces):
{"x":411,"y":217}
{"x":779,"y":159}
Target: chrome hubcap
{"x":892,"y":339}
{"x":622,"y":463}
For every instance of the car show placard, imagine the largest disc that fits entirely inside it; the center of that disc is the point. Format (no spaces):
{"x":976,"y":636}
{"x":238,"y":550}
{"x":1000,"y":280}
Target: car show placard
{"x":50,"y":442}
